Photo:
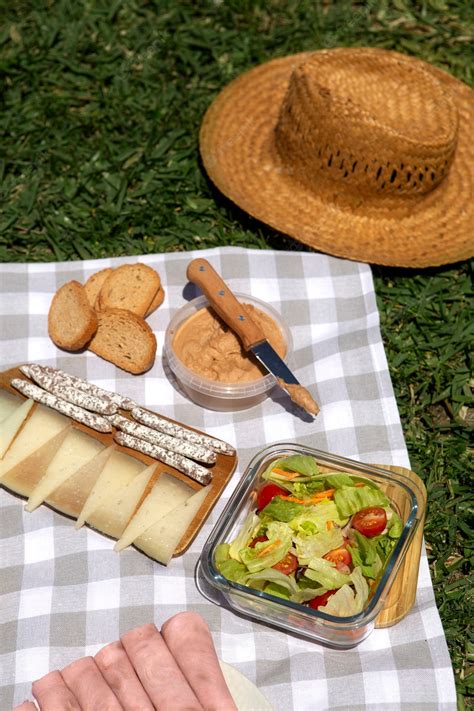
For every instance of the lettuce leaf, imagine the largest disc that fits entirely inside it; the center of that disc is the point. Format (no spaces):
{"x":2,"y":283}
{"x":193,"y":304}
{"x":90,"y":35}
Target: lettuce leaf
{"x":326,"y":574}
{"x":233,"y":570}
{"x":346,"y":601}
{"x":365,"y":554}
{"x":249,"y":526}
{"x":274,"y":576}
{"x":280,"y":510}
{"x":350,"y":499}
{"x":267,"y":553}
{"x":303,"y":464}
{"x":316,"y":546}
{"x":313,"y":519}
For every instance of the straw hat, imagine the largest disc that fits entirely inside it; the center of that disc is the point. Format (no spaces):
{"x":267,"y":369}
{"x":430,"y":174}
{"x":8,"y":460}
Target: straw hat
{"x":362,"y":153}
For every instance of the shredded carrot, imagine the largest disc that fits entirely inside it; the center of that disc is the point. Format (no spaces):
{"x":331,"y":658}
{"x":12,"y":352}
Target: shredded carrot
{"x":268,"y":549}
{"x":329,"y":525}
{"x":287,"y":475}
{"x":360,"y":484}
{"x":319,"y":496}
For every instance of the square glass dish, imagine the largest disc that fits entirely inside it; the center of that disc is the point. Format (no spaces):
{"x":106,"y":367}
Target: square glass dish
{"x":407,"y":497}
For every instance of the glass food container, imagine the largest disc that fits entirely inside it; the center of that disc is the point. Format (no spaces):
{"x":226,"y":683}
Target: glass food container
{"x":213,"y":394}
{"x":407,"y":496}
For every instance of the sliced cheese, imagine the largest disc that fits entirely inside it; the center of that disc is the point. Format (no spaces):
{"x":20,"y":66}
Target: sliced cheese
{"x":77,"y":449}
{"x":70,"y":497}
{"x":160,"y":540}
{"x":119,"y":470}
{"x":8,"y":403}
{"x":11,"y":425}
{"x":114,"y":513}
{"x":167,"y":493}
{"x":32,"y":450}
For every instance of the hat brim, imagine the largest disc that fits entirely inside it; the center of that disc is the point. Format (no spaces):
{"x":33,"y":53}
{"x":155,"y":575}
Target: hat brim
{"x":240,"y":157}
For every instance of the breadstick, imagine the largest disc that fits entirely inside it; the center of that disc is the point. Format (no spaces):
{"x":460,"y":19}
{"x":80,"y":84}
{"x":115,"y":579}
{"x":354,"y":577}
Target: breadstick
{"x":179,"y":446}
{"x":188,"y":467}
{"x":91,"y":419}
{"x":63,"y":378}
{"x":58,"y":387}
{"x":170,"y":428}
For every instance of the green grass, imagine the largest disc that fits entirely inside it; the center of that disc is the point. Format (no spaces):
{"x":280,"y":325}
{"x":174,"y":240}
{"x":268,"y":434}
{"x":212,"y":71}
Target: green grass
{"x":101,"y":105}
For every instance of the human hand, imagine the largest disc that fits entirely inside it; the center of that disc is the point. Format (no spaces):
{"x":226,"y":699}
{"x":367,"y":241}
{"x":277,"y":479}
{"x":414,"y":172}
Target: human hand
{"x":170,"y":670}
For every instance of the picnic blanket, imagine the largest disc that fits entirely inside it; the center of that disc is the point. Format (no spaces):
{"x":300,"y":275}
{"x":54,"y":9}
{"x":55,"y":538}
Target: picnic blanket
{"x":66,"y":593}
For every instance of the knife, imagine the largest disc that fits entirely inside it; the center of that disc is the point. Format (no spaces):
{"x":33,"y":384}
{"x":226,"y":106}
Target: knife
{"x":253,"y":339}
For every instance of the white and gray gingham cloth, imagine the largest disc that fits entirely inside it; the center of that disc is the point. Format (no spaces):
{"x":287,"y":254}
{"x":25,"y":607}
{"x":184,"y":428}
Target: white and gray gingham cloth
{"x":65,"y":593}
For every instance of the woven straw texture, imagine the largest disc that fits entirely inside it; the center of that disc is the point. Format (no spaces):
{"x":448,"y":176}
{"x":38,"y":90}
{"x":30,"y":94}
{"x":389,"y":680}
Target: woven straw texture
{"x":362,"y":153}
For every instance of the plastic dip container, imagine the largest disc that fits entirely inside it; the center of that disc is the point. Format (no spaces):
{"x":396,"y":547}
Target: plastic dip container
{"x":213,"y":394}
{"x":338,"y":632}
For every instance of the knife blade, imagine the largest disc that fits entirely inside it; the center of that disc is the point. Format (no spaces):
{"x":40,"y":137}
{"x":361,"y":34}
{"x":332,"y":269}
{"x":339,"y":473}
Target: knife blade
{"x":253,"y":339}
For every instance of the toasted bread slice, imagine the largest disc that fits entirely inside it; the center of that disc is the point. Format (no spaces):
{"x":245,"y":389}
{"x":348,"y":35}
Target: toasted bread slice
{"x":157,"y":301}
{"x":131,"y":286}
{"x":95,"y":283}
{"x":125,"y":339}
{"x":71,"y":319}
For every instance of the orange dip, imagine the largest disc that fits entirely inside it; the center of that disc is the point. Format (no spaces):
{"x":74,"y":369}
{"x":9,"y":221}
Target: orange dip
{"x":207,"y":346}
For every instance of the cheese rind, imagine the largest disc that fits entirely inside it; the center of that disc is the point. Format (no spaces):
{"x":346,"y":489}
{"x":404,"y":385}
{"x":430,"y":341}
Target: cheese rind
{"x":70,"y":497}
{"x":160,"y":540}
{"x":77,"y":449}
{"x":11,"y":425}
{"x":113,"y":514}
{"x":119,"y":470}
{"x":167,"y":493}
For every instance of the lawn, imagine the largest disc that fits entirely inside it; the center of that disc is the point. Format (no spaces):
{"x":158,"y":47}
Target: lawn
{"x":101,"y":106}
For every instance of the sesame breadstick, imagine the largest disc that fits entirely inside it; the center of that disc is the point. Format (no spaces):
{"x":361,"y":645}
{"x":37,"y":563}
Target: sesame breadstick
{"x":91,"y":419}
{"x":188,"y":467}
{"x":62,"y":378}
{"x":179,"y":446}
{"x":170,"y":428}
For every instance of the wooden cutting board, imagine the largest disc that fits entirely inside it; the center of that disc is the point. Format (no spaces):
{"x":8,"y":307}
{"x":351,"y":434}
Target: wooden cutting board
{"x":401,"y":597}
{"x":222,"y":470}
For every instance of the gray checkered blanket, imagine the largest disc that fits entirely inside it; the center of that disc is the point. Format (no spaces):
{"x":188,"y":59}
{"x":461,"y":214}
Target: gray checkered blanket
{"x":65,"y":593}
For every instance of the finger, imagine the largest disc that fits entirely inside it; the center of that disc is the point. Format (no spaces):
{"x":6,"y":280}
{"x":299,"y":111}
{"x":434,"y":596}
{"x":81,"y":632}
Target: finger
{"x":89,"y":687}
{"x":158,"y":672}
{"x":52,"y":694}
{"x":119,"y":674}
{"x":26,"y":706}
{"x":189,"y":640}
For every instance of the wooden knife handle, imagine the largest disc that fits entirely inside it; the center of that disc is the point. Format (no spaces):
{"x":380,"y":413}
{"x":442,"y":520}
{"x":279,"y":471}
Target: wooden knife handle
{"x":223,"y":301}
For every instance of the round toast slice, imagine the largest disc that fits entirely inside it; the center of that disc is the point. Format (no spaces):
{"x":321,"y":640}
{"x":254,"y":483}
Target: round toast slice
{"x":95,"y":283}
{"x":125,"y":339}
{"x":71,"y":319}
{"x":130,"y":286}
{"x":157,"y":301}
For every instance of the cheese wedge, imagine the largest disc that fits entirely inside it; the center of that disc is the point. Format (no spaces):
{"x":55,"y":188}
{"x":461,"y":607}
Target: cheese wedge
{"x":32,"y":450}
{"x":8,"y":403}
{"x":77,"y":449}
{"x":119,"y":470}
{"x":113,"y":515}
{"x":166,"y":494}
{"x":70,"y":497}
{"x":160,"y":540}
{"x":11,"y":425}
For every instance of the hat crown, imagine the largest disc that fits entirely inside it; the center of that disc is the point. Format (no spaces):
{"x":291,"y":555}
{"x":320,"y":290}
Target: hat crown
{"x":368,"y":129}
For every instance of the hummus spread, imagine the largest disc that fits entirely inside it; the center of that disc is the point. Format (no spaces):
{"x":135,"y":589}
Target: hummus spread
{"x":207,"y":346}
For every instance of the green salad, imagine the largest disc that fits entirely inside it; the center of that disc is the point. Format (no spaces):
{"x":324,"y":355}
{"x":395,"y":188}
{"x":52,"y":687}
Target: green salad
{"x":318,"y":539}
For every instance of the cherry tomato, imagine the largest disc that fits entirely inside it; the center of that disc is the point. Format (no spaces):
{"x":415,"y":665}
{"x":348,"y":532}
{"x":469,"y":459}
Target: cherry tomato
{"x":321,"y":600}
{"x":267,"y":493}
{"x":370,"y":521}
{"x":339,"y":556}
{"x":287,"y":565}
{"x":259,"y":539}
{"x":342,"y":559}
